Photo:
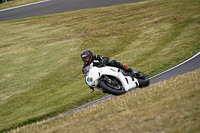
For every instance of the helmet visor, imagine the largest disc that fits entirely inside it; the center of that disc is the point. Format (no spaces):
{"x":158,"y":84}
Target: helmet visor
{"x":85,"y":59}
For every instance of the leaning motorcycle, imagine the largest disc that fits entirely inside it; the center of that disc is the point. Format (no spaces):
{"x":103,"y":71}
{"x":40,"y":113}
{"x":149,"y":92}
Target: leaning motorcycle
{"x":114,"y":81}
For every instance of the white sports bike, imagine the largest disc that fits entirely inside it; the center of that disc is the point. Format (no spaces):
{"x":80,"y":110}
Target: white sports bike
{"x":114,"y":81}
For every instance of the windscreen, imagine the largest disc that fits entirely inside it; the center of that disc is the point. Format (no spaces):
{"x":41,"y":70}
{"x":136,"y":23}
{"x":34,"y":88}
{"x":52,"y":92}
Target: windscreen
{"x":86,"y":70}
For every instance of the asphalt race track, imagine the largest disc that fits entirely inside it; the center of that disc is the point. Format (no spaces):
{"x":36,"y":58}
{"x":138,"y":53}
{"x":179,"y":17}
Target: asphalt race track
{"x":57,"y":6}
{"x":189,"y":65}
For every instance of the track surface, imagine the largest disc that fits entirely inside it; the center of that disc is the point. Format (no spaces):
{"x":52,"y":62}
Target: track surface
{"x":189,"y":65}
{"x":57,"y":6}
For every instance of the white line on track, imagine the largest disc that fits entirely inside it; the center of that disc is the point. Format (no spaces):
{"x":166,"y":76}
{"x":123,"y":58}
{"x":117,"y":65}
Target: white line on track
{"x":24,"y":5}
{"x":178,"y":65}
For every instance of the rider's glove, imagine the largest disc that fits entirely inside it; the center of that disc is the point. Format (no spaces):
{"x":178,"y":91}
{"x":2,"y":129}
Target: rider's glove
{"x":101,"y":63}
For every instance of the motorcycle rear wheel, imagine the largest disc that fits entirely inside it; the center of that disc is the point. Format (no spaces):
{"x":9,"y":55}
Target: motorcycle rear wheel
{"x":143,"y":80}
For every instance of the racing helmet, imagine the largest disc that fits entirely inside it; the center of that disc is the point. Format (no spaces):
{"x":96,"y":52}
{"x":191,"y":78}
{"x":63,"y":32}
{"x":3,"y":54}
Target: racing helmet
{"x":87,"y":57}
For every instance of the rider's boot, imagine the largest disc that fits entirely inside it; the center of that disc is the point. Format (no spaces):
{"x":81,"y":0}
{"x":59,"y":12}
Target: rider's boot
{"x":134,"y":73}
{"x":128,"y":70}
{"x":137,"y":73}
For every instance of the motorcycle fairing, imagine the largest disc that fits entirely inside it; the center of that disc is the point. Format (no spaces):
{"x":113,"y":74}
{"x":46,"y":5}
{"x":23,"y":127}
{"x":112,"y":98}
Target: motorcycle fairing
{"x":96,"y":73}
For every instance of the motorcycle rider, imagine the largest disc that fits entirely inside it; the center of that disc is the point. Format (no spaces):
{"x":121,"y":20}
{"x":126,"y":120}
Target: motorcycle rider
{"x":98,"y":60}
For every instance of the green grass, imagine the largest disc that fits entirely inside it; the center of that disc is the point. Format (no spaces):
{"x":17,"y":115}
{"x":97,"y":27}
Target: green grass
{"x":14,"y":3}
{"x":40,"y":63}
{"x":170,"y":106}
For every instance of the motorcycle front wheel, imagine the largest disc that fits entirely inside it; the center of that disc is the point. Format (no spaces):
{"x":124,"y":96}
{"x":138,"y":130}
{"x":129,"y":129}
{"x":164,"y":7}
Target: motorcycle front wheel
{"x":112,"y":89}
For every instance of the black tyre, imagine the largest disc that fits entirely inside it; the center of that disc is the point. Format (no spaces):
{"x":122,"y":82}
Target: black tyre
{"x":105,"y":85}
{"x":143,"y":80}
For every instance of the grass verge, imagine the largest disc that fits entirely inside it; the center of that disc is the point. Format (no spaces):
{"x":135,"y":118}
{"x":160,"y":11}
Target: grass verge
{"x":170,"y":106}
{"x":40,"y":63}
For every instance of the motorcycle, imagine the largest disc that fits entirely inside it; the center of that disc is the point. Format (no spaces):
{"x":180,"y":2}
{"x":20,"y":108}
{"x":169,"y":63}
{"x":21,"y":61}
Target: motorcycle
{"x":114,"y":81}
